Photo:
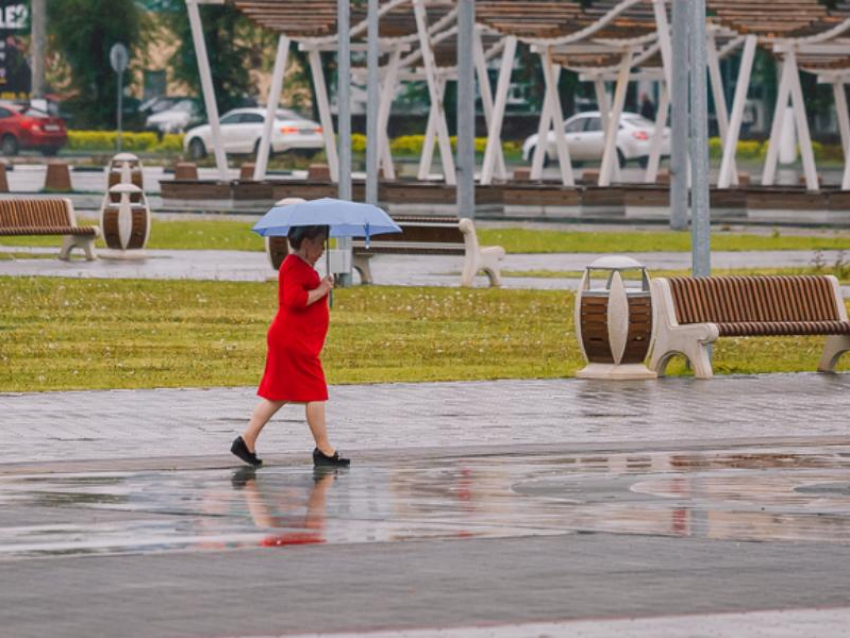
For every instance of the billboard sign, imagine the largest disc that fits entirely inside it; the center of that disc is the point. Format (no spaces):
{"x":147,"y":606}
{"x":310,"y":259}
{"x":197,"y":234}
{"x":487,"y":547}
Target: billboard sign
{"x":15,"y":75}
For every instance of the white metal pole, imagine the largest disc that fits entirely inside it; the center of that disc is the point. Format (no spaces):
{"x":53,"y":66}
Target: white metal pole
{"x":727,"y":165}
{"x":719,"y":99}
{"x":373,"y":105}
{"x":844,"y":126}
{"x":427,"y":157}
{"x":770,"y":162}
{"x":494,"y":135}
{"x":609,"y":155}
{"x":803,"y":135}
{"x":324,"y":112}
{"x":207,"y":86}
{"x":271,"y":107}
{"x":679,"y":115}
{"x":466,"y":109}
{"x":343,"y":101}
{"x":446,"y":155}
{"x":557,"y":114}
{"x":701,"y":217}
{"x":604,"y":105}
{"x":663,"y":29}
{"x":387,"y":94}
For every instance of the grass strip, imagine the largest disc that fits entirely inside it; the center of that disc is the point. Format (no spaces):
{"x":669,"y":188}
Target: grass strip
{"x":236,"y":235}
{"x":62,"y":334}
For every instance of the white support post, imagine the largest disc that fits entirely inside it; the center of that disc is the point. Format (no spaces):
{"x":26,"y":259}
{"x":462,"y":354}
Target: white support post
{"x":446,"y":155}
{"x":271,"y":107}
{"x":557,"y":115}
{"x":324,"y":113}
{"x":730,"y":145}
{"x":719,"y":98}
{"x":662,"y":27}
{"x":387,"y":95}
{"x":542,"y":135}
{"x":488,"y":101}
{"x":769,"y":174}
{"x":604,"y":105}
{"x":609,"y":155}
{"x":430,"y":139}
{"x":658,"y":135}
{"x":803,"y":135}
{"x":844,"y":126}
{"x":207,"y":86}
{"x":493,"y":152}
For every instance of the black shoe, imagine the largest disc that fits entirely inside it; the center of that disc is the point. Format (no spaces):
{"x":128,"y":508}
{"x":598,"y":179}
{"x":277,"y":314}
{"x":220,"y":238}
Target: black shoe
{"x":320,"y":459}
{"x":241,"y":450}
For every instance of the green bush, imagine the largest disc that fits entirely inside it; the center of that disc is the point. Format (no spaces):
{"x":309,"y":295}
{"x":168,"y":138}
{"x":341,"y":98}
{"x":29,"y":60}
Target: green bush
{"x":358,"y":143}
{"x":134,"y":142}
{"x":412,"y":145}
{"x":749,"y":149}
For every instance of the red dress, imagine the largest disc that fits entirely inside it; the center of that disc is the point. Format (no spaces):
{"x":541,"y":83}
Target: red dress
{"x":296,"y":338}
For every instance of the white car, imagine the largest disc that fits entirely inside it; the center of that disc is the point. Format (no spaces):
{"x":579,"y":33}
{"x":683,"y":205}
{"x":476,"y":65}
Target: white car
{"x":586,"y":140}
{"x":174,"y":119}
{"x":241,"y":130}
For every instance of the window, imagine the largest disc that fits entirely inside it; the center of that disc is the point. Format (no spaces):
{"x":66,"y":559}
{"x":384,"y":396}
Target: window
{"x":154,"y":84}
{"x":233,"y":118}
{"x":576,"y":126}
{"x":4,"y":113}
{"x":251,"y":118}
{"x":594,"y":125}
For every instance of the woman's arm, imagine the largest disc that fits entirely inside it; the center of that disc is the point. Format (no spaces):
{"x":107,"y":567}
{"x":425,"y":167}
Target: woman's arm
{"x":318,"y":293}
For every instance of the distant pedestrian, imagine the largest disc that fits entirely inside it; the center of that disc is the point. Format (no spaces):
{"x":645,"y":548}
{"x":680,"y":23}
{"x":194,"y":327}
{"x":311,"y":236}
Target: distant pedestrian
{"x":293,"y":371}
{"x":647,"y":108}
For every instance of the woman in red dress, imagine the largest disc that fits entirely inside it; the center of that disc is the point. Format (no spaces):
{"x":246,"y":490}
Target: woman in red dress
{"x":295,"y":340}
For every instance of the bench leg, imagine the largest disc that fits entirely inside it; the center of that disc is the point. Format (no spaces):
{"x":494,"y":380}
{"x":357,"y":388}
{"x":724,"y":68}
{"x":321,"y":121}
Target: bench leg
{"x":471,"y":264}
{"x":360,"y":263}
{"x":490,"y":266}
{"x":836,"y":345}
{"x":69,"y":242}
{"x":695,"y":351}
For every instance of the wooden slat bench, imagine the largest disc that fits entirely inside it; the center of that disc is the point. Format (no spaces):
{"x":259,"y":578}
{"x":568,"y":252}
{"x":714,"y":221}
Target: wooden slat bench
{"x":24,"y":217}
{"x":691,"y":313}
{"x":432,"y":236}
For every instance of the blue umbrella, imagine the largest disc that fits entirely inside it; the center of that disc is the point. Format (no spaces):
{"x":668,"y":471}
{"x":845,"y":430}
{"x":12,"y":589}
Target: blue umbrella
{"x":345,"y":219}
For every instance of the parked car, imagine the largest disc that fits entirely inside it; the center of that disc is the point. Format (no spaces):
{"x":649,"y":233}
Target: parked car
{"x":241,"y":130}
{"x":175,"y":118}
{"x":23,"y":127}
{"x":586,"y":139}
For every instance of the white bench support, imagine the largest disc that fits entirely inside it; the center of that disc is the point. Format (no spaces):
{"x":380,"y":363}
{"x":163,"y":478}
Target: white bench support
{"x":690,"y":340}
{"x":836,"y":345}
{"x":69,"y":242}
{"x":477,"y":258}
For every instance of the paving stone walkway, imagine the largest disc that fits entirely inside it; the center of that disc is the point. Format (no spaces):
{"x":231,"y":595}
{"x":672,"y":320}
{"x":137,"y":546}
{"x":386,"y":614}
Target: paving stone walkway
{"x":120,"y":424}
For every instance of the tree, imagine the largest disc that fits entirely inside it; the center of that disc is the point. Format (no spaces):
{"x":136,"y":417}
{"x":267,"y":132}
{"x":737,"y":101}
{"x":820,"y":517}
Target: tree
{"x":83,"y":33}
{"x":235,"y":46}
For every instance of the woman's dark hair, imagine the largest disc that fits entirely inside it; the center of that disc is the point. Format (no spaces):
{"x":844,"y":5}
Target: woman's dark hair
{"x":297,"y":234}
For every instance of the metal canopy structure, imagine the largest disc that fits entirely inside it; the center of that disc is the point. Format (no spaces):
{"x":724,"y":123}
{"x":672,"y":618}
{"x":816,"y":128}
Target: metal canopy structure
{"x":614,"y":41}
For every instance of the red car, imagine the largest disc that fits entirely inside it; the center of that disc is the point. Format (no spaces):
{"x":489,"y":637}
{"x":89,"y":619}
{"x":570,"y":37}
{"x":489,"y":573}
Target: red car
{"x":23,"y":127}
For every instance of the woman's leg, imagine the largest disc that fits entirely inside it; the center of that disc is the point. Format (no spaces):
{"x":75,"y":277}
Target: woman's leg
{"x":318,"y":426}
{"x":264,"y":411}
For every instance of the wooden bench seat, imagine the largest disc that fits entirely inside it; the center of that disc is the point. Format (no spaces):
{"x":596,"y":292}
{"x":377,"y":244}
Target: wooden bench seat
{"x":691,"y":313}
{"x":423,"y":235}
{"x":39,"y":217}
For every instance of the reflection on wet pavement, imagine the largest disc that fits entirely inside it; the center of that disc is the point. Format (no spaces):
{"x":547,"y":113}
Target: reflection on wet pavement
{"x":760,"y":495}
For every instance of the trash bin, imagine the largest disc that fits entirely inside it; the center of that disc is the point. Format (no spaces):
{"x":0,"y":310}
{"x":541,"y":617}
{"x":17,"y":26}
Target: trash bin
{"x":125,"y":220}
{"x":614,"y":320}
{"x":124,"y":168}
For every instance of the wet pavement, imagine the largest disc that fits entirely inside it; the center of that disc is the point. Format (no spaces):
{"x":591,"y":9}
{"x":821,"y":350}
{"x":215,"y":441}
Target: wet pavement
{"x":398,"y":270}
{"x":503,"y":509}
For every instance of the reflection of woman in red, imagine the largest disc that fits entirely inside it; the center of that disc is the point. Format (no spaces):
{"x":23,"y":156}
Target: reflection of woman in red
{"x":305,"y":530}
{"x":295,"y":340}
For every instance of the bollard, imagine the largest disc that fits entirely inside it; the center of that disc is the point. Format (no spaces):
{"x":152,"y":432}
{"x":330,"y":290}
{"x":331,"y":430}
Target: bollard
{"x":522,"y":174}
{"x":246,"y":172}
{"x":186,"y":170}
{"x":58,"y":179}
{"x":4,"y":183}
{"x":319,"y":173}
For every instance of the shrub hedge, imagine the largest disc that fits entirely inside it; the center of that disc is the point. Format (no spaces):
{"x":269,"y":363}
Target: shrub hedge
{"x":134,"y":142}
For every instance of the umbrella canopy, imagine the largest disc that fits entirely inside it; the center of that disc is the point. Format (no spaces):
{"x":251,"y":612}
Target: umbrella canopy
{"x":345,"y":219}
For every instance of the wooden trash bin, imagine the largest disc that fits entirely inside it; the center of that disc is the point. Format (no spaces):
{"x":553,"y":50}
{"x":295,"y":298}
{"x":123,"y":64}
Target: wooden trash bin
{"x":613,"y":322}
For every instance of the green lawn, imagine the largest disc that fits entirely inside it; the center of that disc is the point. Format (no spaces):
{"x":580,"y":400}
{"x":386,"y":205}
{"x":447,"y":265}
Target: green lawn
{"x":59,"y":334}
{"x":236,"y":235}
